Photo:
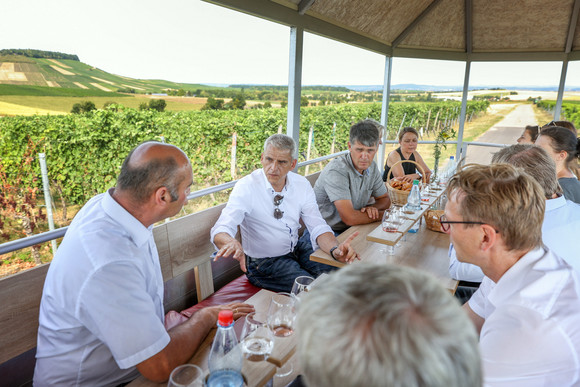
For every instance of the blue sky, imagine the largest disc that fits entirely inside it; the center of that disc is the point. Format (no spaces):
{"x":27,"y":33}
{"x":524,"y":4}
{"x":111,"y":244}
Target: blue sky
{"x":196,"y":42}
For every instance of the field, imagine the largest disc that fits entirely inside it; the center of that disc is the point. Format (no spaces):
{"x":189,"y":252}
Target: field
{"x":59,"y":105}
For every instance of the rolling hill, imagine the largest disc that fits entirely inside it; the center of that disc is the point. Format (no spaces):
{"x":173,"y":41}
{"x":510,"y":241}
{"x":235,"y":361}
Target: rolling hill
{"x":45,"y":76}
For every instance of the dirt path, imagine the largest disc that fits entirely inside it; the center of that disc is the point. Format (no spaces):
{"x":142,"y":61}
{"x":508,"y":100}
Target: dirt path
{"x":506,"y":131}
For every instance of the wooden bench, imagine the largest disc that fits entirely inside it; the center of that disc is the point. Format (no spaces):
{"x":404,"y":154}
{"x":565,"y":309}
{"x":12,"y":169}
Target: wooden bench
{"x":188,"y":273}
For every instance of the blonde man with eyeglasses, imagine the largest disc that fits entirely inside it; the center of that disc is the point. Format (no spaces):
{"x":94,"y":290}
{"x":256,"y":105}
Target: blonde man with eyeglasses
{"x":527,"y":309}
{"x":268,"y":205}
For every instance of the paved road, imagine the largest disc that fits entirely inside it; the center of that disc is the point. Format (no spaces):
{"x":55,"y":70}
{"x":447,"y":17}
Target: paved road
{"x":506,"y":131}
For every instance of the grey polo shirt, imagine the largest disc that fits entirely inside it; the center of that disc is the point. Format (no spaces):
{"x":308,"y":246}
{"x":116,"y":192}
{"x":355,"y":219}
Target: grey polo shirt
{"x":341,"y":181}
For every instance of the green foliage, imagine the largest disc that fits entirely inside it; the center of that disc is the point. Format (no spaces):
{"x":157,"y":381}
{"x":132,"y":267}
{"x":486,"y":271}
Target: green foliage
{"x":213,"y":104}
{"x":83,"y":107}
{"x":157,"y":104}
{"x":38,"y":54}
{"x":84,"y":152}
{"x":570,"y":110}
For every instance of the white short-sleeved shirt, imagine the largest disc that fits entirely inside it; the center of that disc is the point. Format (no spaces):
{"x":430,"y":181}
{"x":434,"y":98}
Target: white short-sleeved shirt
{"x":531,"y":333}
{"x":102,"y":305}
{"x":251,"y":206}
{"x":560,"y":229}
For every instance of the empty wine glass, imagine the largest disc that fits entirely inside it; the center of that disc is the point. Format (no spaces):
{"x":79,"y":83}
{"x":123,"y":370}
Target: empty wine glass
{"x":257,"y":338}
{"x":186,"y":375}
{"x":301,"y":284}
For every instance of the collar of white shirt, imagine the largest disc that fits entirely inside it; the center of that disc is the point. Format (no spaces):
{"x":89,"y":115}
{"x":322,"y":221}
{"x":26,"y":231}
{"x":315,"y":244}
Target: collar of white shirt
{"x":552,"y":204}
{"x":138,"y":232}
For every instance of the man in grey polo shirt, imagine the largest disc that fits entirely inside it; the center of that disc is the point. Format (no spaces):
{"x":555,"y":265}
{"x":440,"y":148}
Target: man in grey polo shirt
{"x":346,"y":184}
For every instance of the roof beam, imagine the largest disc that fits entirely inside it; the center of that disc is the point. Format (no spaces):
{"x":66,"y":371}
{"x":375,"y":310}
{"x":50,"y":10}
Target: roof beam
{"x":469,"y":26}
{"x":304,"y":6}
{"x":414,"y":23}
{"x":572,"y":26}
{"x":278,"y":13}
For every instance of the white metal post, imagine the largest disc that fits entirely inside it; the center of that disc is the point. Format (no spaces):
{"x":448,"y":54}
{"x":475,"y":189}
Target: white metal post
{"x":47,"y":198}
{"x":385,"y":110}
{"x":561,"y":86}
{"x":295,"y":85}
{"x":463,"y":111}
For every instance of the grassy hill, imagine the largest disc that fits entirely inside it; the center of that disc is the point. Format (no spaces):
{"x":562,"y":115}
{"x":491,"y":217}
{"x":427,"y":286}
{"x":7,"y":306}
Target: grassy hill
{"x":21,"y":75}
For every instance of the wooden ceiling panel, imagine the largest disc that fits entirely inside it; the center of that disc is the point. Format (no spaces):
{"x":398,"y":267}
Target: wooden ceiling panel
{"x":520,"y":25}
{"x":442,"y":28}
{"x":384,"y":20}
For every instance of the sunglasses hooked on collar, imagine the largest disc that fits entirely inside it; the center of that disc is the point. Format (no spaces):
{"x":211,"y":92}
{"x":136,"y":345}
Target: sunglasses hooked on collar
{"x":278,"y":213}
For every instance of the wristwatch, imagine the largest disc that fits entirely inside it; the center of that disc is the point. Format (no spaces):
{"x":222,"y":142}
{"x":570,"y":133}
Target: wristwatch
{"x":332,"y":251}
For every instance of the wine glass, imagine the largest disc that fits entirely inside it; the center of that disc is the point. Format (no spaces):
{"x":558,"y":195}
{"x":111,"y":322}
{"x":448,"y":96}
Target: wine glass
{"x":390,"y":224}
{"x":301,"y":284}
{"x":282,"y":314}
{"x":257,"y":338}
{"x":390,"y":220}
{"x":186,"y":375}
{"x":281,"y":318}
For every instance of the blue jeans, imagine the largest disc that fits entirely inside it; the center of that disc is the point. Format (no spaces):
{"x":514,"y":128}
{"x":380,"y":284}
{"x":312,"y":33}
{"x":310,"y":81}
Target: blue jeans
{"x":278,"y":273}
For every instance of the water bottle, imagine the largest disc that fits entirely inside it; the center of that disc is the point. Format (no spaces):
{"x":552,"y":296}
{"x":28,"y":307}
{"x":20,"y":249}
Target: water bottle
{"x":414,"y":199}
{"x":225,"y":358}
{"x":451,"y":167}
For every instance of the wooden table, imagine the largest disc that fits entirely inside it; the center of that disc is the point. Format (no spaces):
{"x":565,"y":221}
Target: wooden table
{"x":255,"y":373}
{"x":426,"y":250}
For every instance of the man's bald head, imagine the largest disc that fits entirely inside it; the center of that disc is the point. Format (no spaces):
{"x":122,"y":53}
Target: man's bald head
{"x":149,"y":166}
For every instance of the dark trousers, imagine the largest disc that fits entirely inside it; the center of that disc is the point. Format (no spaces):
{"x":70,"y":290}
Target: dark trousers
{"x":278,"y":273}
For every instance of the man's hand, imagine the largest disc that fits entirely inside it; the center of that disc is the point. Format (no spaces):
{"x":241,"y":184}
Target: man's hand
{"x":344,"y":252}
{"x":239,"y":309}
{"x":232,"y":248}
{"x":372,"y":212}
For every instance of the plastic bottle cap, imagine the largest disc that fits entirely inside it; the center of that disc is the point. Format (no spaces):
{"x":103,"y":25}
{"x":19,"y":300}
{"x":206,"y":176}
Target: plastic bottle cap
{"x":451,"y":157}
{"x":415,"y":181}
{"x":225,"y":318}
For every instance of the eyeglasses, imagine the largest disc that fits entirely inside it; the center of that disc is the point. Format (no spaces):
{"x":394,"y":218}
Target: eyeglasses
{"x":552,"y":123}
{"x":278,"y":213}
{"x":445,"y":223}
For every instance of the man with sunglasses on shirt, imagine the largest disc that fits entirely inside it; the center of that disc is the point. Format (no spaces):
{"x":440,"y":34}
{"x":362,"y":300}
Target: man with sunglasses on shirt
{"x":527,"y":309}
{"x":268,"y":205}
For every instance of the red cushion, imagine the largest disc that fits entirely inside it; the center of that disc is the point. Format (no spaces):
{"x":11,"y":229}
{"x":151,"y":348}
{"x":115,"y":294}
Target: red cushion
{"x":238,"y":290}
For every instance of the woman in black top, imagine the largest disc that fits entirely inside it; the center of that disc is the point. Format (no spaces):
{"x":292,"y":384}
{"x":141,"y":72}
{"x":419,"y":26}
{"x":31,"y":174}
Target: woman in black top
{"x":408,"y":138}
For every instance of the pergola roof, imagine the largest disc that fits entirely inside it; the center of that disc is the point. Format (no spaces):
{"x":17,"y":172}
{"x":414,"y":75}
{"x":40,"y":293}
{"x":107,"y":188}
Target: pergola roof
{"x":477,"y":30}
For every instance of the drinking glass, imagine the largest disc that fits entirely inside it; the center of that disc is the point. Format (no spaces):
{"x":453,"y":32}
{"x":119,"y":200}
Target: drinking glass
{"x":186,"y":375}
{"x":257,"y":338}
{"x":390,"y":220}
{"x":282,"y":314}
{"x":301,"y":284}
{"x":281,"y":318}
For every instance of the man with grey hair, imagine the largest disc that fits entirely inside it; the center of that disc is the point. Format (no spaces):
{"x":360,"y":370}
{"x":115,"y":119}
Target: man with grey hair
{"x":346,"y":184}
{"x":268,"y":205}
{"x":385,"y":325}
{"x":561,"y":223}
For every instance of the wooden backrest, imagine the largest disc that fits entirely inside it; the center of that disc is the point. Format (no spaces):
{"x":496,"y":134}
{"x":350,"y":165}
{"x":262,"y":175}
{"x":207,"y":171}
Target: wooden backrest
{"x":183,"y":244}
{"x":312,"y":178}
{"x":20,"y":297}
